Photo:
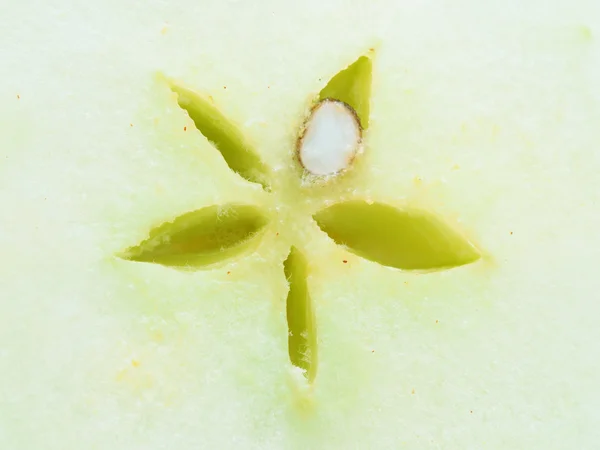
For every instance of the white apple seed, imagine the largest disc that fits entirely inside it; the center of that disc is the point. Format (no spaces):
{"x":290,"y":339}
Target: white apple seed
{"x":331,"y":138}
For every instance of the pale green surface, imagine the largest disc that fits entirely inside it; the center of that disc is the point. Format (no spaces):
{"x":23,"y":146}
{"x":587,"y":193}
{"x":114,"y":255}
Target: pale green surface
{"x":302,"y":327}
{"x":201,"y":238}
{"x":482,"y":112}
{"x":404,"y":239}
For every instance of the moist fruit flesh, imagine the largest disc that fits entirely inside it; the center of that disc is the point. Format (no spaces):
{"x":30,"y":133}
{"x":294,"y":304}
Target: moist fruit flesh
{"x":481,"y":114}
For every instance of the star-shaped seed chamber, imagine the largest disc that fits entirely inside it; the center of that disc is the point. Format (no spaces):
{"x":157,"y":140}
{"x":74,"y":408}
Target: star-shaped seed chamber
{"x":326,"y":148}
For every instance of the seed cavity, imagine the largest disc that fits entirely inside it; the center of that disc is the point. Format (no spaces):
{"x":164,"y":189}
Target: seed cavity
{"x":332,"y":135}
{"x":302,"y":332}
{"x":353,"y":87}
{"x":202,"y":238}
{"x":331,"y":138}
{"x":238,"y":153}
{"x":408,"y":239}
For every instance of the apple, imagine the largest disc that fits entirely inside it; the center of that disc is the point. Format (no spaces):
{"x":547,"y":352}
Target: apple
{"x":299,"y":225}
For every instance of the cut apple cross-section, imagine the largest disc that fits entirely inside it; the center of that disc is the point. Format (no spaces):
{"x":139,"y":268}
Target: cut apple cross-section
{"x":406,"y":239}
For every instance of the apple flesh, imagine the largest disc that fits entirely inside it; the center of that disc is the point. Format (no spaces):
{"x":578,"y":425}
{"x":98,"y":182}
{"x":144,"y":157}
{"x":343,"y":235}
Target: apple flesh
{"x":482,"y":113}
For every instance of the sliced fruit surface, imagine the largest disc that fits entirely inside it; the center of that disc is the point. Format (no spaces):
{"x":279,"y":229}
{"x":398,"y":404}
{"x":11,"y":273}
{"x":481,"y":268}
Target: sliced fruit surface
{"x":480,"y":115}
